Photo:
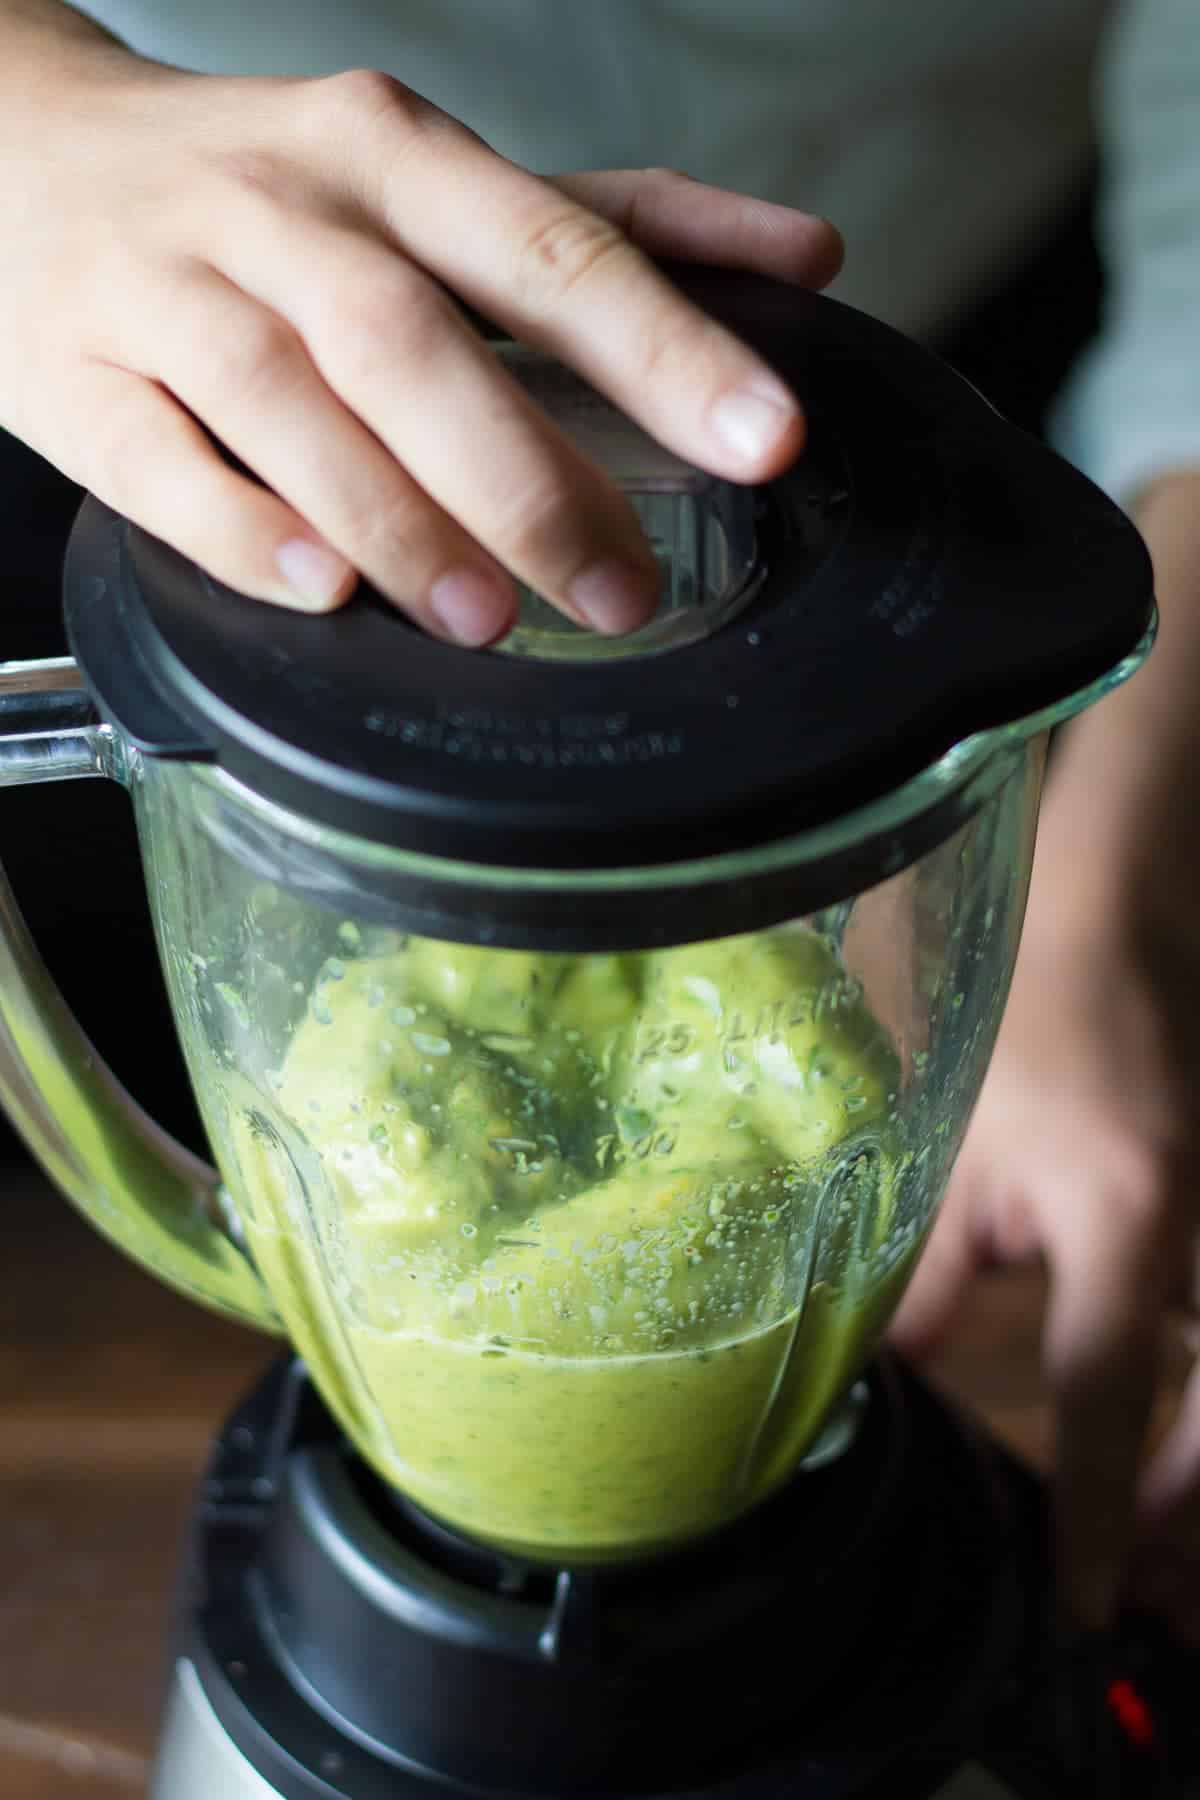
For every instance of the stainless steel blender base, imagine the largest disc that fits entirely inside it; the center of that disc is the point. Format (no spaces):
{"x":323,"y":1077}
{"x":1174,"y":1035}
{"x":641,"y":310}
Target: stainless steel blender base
{"x":333,"y":1644}
{"x":197,"y":1759}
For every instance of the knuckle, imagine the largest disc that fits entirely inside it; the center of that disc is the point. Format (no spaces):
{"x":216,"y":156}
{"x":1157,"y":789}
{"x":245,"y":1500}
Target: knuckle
{"x":398,"y":318}
{"x":361,"y":92}
{"x":535,"y":524}
{"x":675,"y":345}
{"x":118,"y":461}
{"x":123,"y":457}
{"x":260,"y":354}
{"x":255,"y":174}
{"x":566,"y":248}
{"x":391,"y":535}
{"x":1141,"y":1185}
{"x":369,"y":96}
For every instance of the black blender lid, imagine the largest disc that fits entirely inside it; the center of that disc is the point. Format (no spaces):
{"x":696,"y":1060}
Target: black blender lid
{"x":930,"y":572}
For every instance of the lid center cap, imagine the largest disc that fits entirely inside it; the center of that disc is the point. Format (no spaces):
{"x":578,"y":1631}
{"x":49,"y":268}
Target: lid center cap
{"x":702,"y":529}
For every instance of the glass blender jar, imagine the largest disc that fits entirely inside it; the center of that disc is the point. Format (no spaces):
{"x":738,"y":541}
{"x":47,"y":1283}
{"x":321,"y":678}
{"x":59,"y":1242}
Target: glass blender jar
{"x":584,"y":1031}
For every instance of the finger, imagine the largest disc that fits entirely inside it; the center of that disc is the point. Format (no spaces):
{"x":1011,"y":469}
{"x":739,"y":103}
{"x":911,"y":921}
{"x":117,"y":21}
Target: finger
{"x":1166,"y":1580}
{"x":245,"y":373}
{"x":148,"y":459}
{"x":1172,"y":1476}
{"x":399,"y":354}
{"x":938,"y":1289}
{"x":568,"y":281}
{"x":1185,"y":1285}
{"x":668,"y":214}
{"x":1165,"y":1574}
{"x":1101,"y":1352}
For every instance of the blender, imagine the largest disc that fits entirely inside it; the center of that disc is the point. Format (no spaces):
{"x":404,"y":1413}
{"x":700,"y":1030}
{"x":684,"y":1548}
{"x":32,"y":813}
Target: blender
{"x":584,"y":1032}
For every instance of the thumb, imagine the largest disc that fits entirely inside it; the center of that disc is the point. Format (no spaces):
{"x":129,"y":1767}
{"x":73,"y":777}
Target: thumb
{"x":1101,"y":1351}
{"x":939,"y":1283}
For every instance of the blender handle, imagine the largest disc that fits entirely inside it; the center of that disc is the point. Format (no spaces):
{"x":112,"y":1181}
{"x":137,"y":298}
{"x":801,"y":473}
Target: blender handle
{"x":146,"y":1193}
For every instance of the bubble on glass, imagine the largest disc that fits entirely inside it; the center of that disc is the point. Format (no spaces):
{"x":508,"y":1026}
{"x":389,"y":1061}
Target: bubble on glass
{"x":633,"y":1121}
{"x":403,"y":1016}
{"x":507,"y":1045}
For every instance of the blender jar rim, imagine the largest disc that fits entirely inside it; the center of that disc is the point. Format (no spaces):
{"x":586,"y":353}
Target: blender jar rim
{"x":969,"y":771}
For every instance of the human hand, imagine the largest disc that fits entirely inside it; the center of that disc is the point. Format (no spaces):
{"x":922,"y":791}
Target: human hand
{"x":1084,"y":1150}
{"x":269,"y":259}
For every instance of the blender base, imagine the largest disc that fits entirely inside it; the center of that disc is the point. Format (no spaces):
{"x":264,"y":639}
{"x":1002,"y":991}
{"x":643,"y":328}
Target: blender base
{"x":880,"y":1627}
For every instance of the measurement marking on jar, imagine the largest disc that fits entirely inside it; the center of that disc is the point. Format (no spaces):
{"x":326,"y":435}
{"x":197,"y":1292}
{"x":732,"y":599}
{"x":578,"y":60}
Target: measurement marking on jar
{"x":612,"y":1150}
{"x":769,"y":1025}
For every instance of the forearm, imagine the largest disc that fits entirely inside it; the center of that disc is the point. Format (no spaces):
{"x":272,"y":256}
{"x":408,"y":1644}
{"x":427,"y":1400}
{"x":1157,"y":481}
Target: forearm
{"x":1121,"y":816}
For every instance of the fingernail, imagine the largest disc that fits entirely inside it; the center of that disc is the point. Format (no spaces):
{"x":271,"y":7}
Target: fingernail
{"x":751,"y":420}
{"x":614,"y":596}
{"x":315,"y":575}
{"x":472,"y":606}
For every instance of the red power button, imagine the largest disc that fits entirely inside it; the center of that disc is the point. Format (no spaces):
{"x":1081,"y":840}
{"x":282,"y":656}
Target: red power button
{"x":1131,"y":1713}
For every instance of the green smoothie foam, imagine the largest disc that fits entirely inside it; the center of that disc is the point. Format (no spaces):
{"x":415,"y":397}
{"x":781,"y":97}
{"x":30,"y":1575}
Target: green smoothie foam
{"x":581,"y":1250}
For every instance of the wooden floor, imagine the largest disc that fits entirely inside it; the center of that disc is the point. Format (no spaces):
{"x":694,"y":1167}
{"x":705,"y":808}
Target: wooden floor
{"x":109,"y":1389}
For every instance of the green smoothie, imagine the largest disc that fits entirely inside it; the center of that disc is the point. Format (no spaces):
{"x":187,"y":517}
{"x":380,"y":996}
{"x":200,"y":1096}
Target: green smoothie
{"x":581,"y":1249}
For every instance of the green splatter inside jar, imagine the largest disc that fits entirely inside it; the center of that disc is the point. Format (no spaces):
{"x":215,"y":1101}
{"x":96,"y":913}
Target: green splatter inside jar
{"x":582,"y":1250}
